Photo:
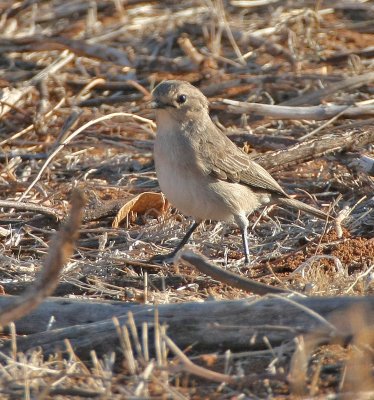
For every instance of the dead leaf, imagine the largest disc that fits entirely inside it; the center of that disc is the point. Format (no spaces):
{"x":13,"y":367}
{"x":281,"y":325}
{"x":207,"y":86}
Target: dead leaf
{"x":147,"y":201}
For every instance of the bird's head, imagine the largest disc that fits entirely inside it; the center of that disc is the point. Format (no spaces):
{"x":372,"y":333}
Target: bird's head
{"x":178,"y":100}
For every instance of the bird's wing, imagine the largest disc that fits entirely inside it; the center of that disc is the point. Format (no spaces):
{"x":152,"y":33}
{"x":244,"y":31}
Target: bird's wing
{"x":225,"y":161}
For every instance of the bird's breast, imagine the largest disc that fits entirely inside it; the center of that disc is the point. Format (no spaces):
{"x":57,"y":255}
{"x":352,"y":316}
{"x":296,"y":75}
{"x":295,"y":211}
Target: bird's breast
{"x":178,"y":173}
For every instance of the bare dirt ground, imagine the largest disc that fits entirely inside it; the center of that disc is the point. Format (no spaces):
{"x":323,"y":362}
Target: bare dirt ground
{"x":65,"y":64}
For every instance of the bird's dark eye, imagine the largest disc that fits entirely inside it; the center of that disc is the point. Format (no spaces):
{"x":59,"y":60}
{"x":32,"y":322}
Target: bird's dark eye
{"x":181,"y":99}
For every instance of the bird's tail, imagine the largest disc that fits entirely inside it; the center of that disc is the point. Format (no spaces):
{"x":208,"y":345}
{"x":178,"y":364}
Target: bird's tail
{"x":303,"y":207}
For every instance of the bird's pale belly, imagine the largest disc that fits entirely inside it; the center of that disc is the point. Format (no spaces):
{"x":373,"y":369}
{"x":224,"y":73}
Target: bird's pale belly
{"x":204,"y":197}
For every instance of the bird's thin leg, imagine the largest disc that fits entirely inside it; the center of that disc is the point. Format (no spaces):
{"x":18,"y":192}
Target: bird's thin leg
{"x":242,"y":221}
{"x":186,"y":237}
{"x":245,"y":244}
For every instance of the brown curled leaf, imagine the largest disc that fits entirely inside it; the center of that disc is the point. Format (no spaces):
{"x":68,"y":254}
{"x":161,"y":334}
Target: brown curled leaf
{"x":154,"y":203}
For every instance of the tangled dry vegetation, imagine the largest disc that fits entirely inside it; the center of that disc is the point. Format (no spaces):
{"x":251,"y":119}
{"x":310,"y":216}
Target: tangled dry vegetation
{"x":75,"y":79}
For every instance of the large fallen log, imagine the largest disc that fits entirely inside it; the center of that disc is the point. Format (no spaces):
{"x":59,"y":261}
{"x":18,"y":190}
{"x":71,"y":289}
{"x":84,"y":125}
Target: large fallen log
{"x":208,"y":326}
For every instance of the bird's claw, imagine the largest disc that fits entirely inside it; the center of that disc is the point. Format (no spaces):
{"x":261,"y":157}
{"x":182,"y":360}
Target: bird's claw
{"x":163,"y":258}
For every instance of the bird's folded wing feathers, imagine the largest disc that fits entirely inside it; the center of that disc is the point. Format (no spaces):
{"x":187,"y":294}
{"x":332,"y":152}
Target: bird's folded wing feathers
{"x":227,"y":162}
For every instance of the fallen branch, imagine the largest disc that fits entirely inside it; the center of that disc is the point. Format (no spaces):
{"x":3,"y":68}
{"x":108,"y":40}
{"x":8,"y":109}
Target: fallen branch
{"x":229,"y":278}
{"x":48,"y":211}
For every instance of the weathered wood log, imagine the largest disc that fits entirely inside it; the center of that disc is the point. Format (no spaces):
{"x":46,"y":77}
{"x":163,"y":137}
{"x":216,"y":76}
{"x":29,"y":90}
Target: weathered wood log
{"x":209,"y":326}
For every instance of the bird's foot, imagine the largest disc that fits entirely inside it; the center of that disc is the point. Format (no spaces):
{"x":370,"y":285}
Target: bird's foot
{"x":163,"y":258}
